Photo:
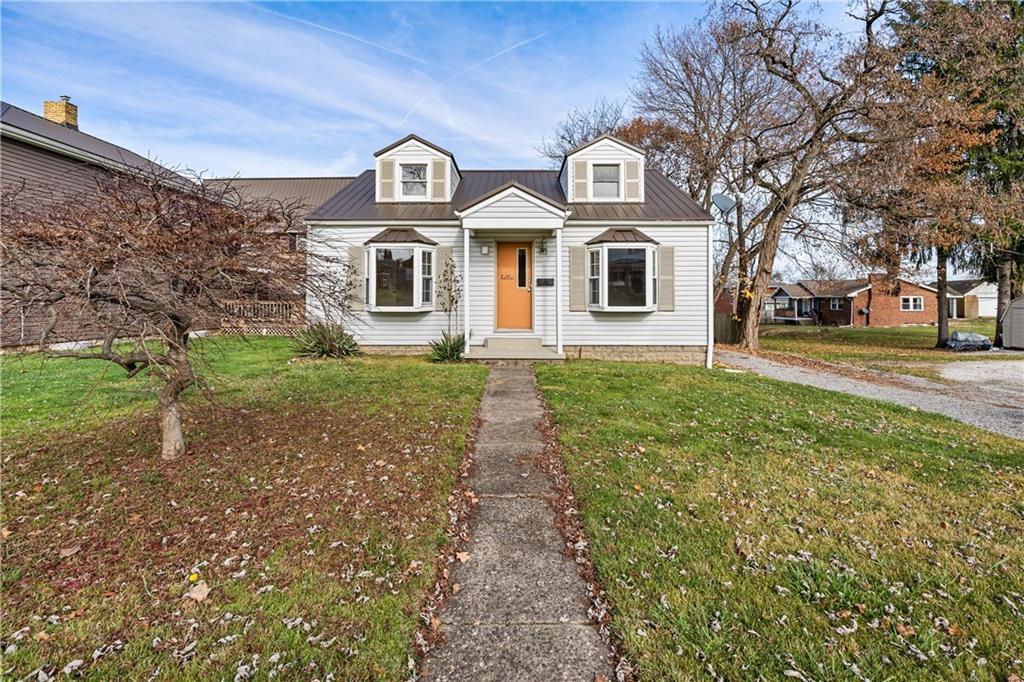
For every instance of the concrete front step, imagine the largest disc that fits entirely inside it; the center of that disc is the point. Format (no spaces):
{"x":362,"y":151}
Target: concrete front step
{"x":541,"y":353}
{"x":512,"y":342}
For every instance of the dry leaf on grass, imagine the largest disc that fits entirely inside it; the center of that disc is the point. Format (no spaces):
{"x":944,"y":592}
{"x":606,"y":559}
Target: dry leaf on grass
{"x":198,"y":592}
{"x":70,"y":551}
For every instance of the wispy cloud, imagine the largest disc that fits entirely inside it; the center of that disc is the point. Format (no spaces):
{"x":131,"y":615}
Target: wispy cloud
{"x":314,"y":88}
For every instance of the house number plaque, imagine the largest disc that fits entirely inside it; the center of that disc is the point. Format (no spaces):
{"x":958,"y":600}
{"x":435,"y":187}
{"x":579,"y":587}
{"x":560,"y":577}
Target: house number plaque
{"x":545,"y":281}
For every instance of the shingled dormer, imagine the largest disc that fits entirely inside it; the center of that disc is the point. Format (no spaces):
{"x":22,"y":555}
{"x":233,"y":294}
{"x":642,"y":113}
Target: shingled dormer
{"x":415,"y":170}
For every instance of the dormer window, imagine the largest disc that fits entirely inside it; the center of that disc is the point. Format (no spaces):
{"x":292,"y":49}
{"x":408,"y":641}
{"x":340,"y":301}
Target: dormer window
{"x":606,"y":181}
{"x":414,"y":180}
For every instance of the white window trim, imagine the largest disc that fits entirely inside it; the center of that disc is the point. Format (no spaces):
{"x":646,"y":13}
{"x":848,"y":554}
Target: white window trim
{"x":907,"y":304}
{"x":417,"y":277}
{"x":651,"y":265}
{"x":400,"y":194}
{"x":420,"y":253}
{"x":621,"y":197}
{"x":835,"y":303}
{"x":782,"y":302}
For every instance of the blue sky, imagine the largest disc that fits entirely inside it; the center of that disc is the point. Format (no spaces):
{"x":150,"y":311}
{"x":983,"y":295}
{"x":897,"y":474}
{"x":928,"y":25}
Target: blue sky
{"x":314,"y":88}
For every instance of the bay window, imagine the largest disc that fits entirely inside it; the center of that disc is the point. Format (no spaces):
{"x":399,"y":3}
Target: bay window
{"x":622,"y":278}
{"x":400,"y":277}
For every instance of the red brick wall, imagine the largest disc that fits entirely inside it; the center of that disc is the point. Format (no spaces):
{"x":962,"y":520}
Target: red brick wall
{"x":885,"y":304}
{"x":831,"y":317}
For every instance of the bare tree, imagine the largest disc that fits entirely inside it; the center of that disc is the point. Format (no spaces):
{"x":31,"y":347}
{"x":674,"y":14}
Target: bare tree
{"x":814,"y":127}
{"x":449,"y":293}
{"x":149,"y":258}
{"x":582,"y":125}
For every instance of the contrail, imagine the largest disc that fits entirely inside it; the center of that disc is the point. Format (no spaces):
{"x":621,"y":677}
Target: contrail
{"x":467,"y":70}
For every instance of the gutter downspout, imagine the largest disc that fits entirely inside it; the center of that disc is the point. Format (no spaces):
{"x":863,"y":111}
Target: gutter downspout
{"x":709,"y":355}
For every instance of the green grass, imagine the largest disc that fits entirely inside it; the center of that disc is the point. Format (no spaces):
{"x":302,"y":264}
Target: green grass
{"x":741,"y":526}
{"x":312,"y":502}
{"x":908,"y":350}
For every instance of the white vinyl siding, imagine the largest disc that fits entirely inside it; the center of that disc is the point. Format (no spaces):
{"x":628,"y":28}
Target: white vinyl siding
{"x":603,"y":152}
{"x":413,"y":153}
{"x":685,"y":326}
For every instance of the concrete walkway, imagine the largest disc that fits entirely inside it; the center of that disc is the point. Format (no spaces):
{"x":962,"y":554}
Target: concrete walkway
{"x":521,"y":611}
{"x":993,"y":410}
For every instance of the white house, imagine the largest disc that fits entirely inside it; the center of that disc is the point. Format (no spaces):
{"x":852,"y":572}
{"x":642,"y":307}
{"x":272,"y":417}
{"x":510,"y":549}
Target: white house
{"x":971,"y":298}
{"x":602,"y":258}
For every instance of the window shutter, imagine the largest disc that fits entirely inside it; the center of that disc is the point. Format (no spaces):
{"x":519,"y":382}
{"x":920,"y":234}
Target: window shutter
{"x":387,"y":180}
{"x":632,"y":181}
{"x":579,"y":184}
{"x":442,"y":255}
{"x":577,"y":279}
{"x":666,"y":278}
{"x":357,"y":276}
{"x":437,"y":192}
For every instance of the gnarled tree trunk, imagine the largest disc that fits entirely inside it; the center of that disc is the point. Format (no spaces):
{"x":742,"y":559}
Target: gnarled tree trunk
{"x":1003,"y":275}
{"x":942,"y":258}
{"x":178,"y":377}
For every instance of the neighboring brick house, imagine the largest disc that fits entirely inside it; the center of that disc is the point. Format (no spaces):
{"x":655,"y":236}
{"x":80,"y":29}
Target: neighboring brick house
{"x":278,"y":313}
{"x":871,"y":301}
{"x":45,"y":156}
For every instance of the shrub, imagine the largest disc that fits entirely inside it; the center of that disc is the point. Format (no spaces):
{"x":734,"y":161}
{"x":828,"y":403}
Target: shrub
{"x":324,"y":340}
{"x":448,"y":348}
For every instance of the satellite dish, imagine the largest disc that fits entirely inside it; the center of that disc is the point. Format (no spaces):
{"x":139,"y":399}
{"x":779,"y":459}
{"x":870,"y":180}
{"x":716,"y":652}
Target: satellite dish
{"x":724,"y":202}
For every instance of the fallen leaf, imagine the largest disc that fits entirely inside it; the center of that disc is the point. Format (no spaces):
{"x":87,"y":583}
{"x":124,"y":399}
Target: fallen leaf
{"x":905,"y":630}
{"x":198,"y":592}
{"x":70,"y":551}
{"x":463,"y":557}
{"x":42,"y":636}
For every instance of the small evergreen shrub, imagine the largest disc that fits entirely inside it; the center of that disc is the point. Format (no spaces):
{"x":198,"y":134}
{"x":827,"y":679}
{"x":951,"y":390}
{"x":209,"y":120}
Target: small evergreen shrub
{"x":325,"y":340}
{"x":449,"y":348}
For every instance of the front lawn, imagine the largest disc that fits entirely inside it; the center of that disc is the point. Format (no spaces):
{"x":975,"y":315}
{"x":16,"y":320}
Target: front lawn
{"x":907,"y":350}
{"x":754,"y":529}
{"x":311,"y":504}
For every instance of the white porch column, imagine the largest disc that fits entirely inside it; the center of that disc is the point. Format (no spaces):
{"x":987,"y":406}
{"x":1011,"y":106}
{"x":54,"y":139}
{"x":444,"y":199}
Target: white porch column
{"x":465,"y":282}
{"x":558,"y":290}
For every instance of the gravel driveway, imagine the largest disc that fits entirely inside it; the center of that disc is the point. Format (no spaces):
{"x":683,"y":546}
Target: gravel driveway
{"x":1000,"y":410}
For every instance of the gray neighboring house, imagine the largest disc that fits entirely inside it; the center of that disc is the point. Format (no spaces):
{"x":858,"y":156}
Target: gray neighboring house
{"x":47,"y":155}
{"x":970,"y":298}
{"x":279,"y":313}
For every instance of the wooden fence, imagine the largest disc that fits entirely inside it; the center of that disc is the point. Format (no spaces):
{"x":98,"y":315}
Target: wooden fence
{"x":727,"y":329}
{"x":264,"y":318}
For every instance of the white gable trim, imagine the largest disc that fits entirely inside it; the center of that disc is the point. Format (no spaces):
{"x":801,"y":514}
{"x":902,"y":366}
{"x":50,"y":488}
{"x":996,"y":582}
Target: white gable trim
{"x":513,"y":192}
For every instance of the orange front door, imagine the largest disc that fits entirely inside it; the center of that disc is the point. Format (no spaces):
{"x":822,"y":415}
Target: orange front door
{"x":515,"y":290}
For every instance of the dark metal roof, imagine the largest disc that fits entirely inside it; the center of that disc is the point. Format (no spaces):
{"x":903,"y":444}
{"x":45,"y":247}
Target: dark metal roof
{"x":413,"y":136}
{"x":597,"y":139}
{"x":310,"y":192}
{"x":399,"y":235}
{"x":512,"y":184}
{"x":621,"y":234}
{"x":17,"y":117}
{"x":663,"y":200}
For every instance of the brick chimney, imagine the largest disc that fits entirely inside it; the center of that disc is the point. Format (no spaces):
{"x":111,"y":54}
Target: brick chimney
{"x":61,"y":111}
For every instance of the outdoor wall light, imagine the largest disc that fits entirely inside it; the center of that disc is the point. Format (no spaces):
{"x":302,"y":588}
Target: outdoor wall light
{"x":544,"y":247}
